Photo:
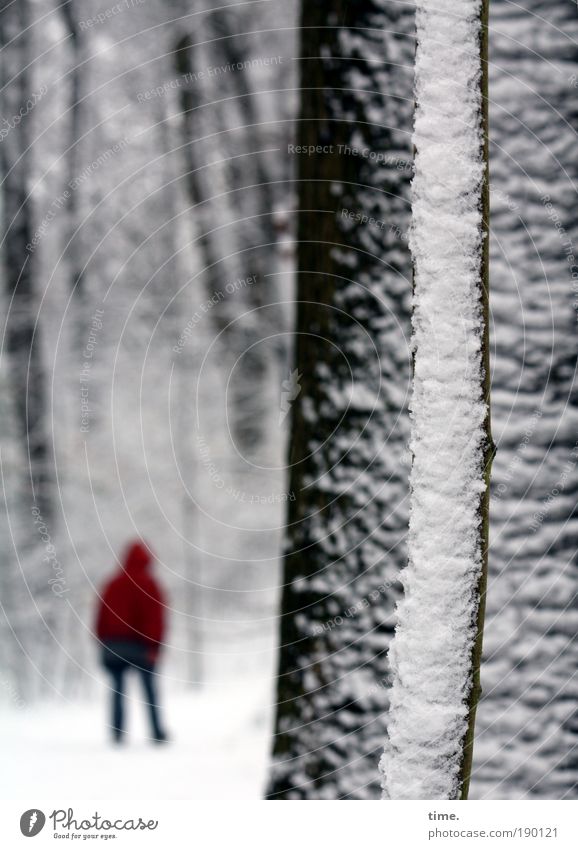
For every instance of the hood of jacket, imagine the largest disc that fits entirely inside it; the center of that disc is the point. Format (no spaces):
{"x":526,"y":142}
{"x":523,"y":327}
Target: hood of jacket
{"x":137,"y":558}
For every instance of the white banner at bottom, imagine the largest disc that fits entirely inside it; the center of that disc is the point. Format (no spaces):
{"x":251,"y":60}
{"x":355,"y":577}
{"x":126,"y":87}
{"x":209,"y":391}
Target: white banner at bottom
{"x":282,"y":825}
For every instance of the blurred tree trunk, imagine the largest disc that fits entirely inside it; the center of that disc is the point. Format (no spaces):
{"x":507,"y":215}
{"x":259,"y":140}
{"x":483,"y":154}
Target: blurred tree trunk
{"x":22,"y":332}
{"x":195,"y":179}
{"x":73,"y":246}
{"x":346,"y":524}
{"x":227,"y":252}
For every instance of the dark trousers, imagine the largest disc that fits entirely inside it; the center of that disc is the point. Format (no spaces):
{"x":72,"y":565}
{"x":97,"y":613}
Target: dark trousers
{"x":118,"y":657}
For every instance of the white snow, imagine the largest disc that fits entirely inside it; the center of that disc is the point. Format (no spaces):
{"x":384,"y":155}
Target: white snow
{"x":431,"y":652}
{"x":219,"y":749}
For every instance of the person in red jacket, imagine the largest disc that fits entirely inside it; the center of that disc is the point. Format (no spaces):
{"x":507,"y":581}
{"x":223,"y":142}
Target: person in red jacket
{"x":130,"y":627}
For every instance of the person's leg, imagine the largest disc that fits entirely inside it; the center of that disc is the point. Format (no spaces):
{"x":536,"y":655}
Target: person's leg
{"x":149,"y":685}
{"x":115,"y":666}
{"x":117,"y":725}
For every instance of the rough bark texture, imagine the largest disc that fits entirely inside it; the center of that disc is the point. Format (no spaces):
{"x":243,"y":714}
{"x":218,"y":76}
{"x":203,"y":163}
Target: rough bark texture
{"x":489,"y":447}
{"x":348,"y":462}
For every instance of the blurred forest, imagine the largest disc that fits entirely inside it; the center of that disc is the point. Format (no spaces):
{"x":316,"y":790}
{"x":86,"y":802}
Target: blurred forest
{"x":167,"y":253}
{"x":145,"y":334}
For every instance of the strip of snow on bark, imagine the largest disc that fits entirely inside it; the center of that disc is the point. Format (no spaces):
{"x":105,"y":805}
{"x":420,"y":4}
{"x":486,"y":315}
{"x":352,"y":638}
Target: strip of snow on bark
{"x":431,"y":653}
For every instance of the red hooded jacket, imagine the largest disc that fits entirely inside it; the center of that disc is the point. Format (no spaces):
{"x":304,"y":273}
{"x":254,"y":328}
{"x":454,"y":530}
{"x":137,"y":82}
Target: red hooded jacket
{"x":132,"y":604}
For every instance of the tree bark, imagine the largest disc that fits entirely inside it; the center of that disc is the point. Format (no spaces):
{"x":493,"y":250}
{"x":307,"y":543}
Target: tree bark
{"x":489,"y":446}
{"x":22,"y":330}
{"x":347,"y":516}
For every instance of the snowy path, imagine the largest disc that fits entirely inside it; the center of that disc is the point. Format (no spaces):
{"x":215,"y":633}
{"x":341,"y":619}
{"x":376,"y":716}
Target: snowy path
{"x":219,"y":749}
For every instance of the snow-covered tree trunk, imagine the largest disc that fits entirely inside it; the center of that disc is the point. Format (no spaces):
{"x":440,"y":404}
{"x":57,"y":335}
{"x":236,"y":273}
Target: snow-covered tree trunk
{"x":436,"y":652}
{"x":348,"y":482}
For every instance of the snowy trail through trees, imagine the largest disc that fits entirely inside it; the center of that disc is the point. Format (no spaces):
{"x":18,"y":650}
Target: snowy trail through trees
{"x":219,"y":749}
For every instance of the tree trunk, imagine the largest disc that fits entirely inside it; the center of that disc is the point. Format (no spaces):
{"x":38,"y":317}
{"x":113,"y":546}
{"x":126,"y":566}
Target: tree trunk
{"x":347,"y":517}
{"x":241,"y":335}
{"x":436,"y":652}
{"x":22,"y":331}
{"x":74,"y":236}
{"x":488,"y":446}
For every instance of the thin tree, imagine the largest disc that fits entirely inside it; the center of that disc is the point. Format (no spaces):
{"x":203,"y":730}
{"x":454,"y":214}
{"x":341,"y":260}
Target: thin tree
{"x":436,"y":653}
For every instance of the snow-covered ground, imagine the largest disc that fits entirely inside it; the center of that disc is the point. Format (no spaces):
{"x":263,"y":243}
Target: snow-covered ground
{"x":219,"y":748}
